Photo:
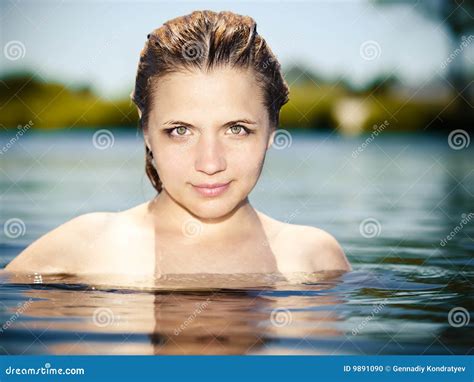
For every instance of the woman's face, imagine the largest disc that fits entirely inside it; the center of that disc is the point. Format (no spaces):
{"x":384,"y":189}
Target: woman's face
{"x":206,"y":129}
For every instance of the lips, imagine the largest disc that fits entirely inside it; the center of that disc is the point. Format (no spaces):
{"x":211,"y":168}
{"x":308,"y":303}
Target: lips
{"x":211,"y":189}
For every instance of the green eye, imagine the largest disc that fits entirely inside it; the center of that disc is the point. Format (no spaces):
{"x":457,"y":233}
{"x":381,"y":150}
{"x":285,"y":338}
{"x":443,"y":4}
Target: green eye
{"x":239,"y":130}
{"x":236,"y":129}
{"x":181,"y":130}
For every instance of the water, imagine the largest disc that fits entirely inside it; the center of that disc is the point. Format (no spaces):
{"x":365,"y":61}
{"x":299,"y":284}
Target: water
{"x":390,"y":206}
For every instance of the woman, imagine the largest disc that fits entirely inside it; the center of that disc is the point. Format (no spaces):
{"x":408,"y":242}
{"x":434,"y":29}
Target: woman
{"x":208,"y":92}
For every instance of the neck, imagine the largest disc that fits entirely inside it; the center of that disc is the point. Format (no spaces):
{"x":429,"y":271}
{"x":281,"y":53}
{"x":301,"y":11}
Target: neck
{"x":171,"y":216}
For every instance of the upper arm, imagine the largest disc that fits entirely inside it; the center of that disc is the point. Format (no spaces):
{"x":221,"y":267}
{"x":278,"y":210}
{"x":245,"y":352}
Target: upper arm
{"x":324,"y":252}
{"x":60,"y":249}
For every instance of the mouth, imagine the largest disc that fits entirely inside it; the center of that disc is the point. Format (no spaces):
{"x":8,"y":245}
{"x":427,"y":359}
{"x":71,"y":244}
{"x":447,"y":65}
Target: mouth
{"x":211,"y":190}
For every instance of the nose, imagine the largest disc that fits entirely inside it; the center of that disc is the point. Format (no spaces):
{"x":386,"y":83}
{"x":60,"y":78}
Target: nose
{"x":209,"y":155}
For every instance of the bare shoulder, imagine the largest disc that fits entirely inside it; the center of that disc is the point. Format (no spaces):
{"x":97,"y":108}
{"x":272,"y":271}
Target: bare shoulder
{"x":306,"y":248}
{"x":63,"y":248}
{"x":321,"y":249}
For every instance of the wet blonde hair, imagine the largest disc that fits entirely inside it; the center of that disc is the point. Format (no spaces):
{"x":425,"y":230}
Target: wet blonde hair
{"x":204,"y":40}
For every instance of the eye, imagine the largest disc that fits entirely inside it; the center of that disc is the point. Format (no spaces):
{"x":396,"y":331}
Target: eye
{"x":177,"y":131}
{"x":239,"y":130}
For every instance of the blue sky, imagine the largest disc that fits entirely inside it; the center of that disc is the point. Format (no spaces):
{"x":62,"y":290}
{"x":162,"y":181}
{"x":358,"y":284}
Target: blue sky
{"x":98,"y":43}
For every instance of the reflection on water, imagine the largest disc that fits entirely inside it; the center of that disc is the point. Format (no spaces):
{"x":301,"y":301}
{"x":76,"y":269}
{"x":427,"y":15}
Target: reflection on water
{"x":391,"y":208}
{"x":355,"y":313}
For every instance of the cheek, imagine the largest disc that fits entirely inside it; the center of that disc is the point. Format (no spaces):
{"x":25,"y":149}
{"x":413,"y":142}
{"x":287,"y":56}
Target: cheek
{"x":171,"y":164}
{"x":246,"y":161}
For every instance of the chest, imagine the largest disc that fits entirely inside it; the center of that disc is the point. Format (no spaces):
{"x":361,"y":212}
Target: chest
{"x":137,"y":253}
{"x":248,"y":256}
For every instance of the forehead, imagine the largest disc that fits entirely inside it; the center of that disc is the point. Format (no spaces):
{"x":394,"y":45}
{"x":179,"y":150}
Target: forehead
{"x":198,"y":96}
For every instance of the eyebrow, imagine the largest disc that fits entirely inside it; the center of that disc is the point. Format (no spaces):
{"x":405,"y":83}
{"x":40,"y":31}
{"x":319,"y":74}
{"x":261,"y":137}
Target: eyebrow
{"x":227,"y":124}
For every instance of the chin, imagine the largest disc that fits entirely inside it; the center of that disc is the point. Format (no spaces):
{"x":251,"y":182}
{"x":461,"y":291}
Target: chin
{"x":215,"y":208}
{"x":211,"y":209}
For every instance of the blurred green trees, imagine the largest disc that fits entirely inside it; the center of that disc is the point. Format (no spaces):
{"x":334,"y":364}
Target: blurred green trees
{"x":24,"y":97}
{"x":314,"y":104}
